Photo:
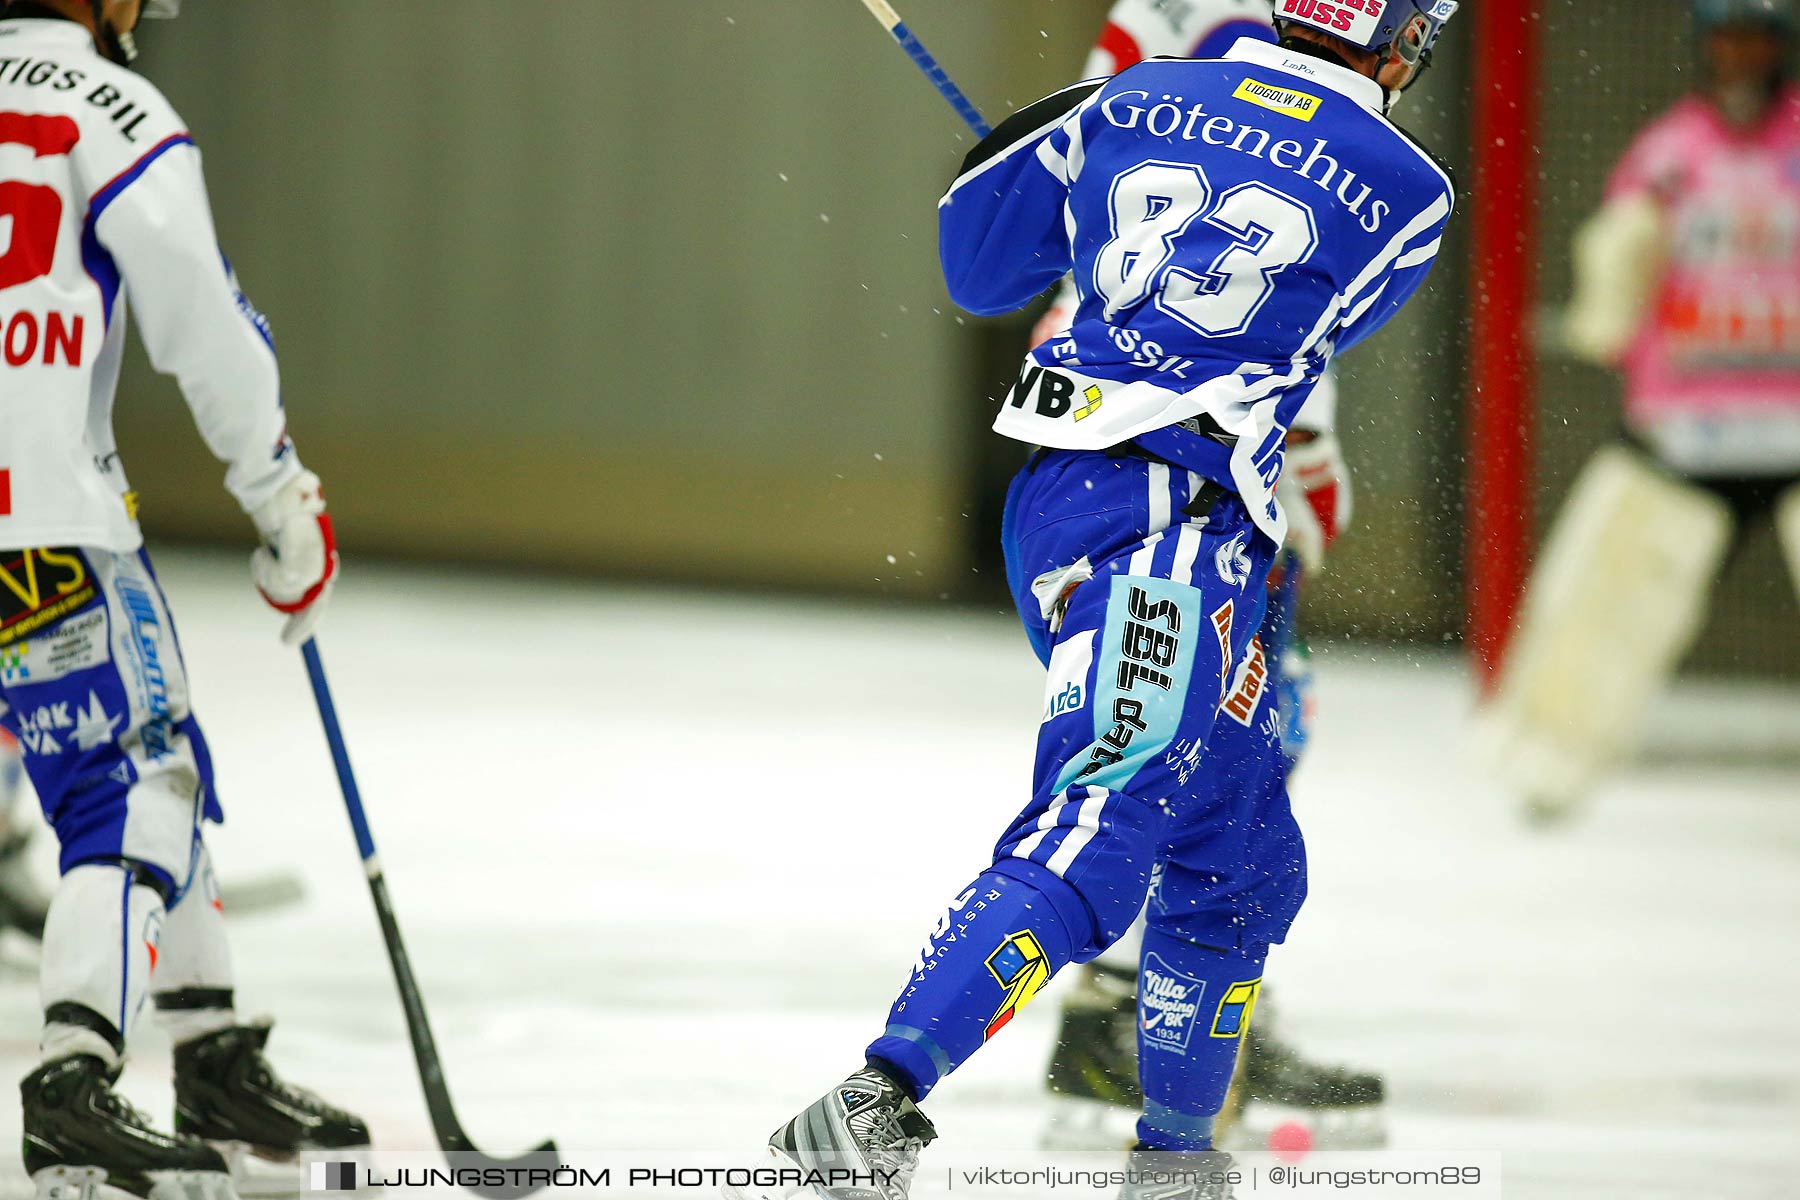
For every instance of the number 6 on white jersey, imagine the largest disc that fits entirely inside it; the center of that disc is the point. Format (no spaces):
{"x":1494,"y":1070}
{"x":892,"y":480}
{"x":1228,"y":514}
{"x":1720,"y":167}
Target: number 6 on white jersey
{"x":1154,"y":204}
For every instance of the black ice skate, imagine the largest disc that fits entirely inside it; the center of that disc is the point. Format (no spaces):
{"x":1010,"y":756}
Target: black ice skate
{"x":1093,"y":1071}
{"x":1201,"y":1175}
{"x":860,"y":1141}
{"x":1093,"y":1074}
{"x":84,"y":1142}
{"x":227,"y":1094}
{"x":1339,"y":1108}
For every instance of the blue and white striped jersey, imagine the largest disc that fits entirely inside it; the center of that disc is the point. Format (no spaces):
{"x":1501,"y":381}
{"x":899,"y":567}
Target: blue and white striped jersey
{"x":1232,"y":224}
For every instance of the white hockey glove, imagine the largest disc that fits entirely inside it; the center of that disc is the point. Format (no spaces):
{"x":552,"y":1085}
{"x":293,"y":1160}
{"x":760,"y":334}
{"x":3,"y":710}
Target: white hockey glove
{"x":1315,"y":491}
{"x":297,"y":563}
{"x":1619,"y":257}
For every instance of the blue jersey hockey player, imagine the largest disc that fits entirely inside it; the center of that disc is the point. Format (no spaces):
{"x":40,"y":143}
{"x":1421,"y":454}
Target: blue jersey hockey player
{"x":1093,"y":1075}
{"x":1232,"y":225}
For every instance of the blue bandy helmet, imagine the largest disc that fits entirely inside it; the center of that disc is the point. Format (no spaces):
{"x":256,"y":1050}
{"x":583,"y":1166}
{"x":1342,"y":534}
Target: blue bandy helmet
{"x":1398,"y":30}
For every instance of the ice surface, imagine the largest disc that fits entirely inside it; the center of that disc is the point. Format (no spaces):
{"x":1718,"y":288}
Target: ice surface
{"x":663,"y":859}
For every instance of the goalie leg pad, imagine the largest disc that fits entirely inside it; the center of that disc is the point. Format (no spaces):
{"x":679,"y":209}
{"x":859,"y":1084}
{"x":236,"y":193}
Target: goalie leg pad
{"x":1617,"y":597}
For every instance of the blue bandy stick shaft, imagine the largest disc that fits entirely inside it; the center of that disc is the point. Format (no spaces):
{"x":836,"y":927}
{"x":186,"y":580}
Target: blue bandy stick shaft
{"x":340,"y":754}
{"x":923,"y":59}
{"x":444,"y":1121}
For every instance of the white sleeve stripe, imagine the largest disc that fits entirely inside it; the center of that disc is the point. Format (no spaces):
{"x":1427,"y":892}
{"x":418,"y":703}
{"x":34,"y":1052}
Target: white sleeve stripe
{"x":1087,"y":823}
{"x":1384,"y":261}
{"x":1042,"y":131}
{"x":1055,"y":163}
{"x":1356,"y":314}
{"x":1422,"y":254}
{"x":1077,"y":152}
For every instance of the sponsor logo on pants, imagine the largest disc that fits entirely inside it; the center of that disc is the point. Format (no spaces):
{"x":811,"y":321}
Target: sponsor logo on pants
{"x":1070,"y":664}
{"x":1236,"y":1008}
{"x":38,"y":588}
{"x":1019,"y":965}
{"x":1168,"y":1005}
{"x":1148,"y":647}
{"x":75,"y":645}
{"x":144,"y":630}
{"x":1247,"y":688}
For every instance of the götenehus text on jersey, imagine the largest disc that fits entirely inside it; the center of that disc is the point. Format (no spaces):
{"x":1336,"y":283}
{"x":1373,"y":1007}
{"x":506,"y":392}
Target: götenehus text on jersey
{"x":1171,"y":117}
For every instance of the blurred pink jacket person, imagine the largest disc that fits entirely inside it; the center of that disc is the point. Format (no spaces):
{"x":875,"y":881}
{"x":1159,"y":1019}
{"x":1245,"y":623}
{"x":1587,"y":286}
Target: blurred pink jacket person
{"x":1713,"y":374}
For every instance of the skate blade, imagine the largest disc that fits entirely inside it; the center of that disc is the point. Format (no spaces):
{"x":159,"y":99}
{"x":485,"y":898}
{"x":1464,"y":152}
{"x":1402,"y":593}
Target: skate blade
{"x":259,"y":1176}
{"x":1363,"y":1127}
{"x":89,"y":1183}
{"x":1078,"y":1124}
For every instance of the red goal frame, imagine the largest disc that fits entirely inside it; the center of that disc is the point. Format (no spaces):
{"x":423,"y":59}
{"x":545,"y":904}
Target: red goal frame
{"x":1502,"y":376}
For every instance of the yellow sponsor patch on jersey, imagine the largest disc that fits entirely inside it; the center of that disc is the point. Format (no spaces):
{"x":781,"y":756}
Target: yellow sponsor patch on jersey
{"x":1287,"y":101}
{"x":1095,"y":398}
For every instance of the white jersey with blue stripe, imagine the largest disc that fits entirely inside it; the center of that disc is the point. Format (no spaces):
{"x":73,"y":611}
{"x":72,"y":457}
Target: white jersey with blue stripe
{"x":101,"y":199}
{"x":1232,"y":224}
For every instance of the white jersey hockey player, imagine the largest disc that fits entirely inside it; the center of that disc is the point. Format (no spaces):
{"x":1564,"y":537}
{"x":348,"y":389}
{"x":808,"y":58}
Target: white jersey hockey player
{"x":103,"y":209}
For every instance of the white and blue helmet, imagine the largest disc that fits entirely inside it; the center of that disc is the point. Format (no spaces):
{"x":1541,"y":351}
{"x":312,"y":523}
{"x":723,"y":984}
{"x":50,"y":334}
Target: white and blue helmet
{"x":1402,"y":30}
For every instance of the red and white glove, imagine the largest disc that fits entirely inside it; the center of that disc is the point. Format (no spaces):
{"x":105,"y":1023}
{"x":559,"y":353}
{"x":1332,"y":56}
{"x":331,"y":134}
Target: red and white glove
{"x":1315,"y":492}
{"x":297,"y":563}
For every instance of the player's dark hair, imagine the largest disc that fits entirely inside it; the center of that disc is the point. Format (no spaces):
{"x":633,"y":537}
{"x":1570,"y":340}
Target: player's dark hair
{"x":114,"y":44}
{"x":1320,"y":50}
{"x":26,"y":9}
{"x":1299,"y":45}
